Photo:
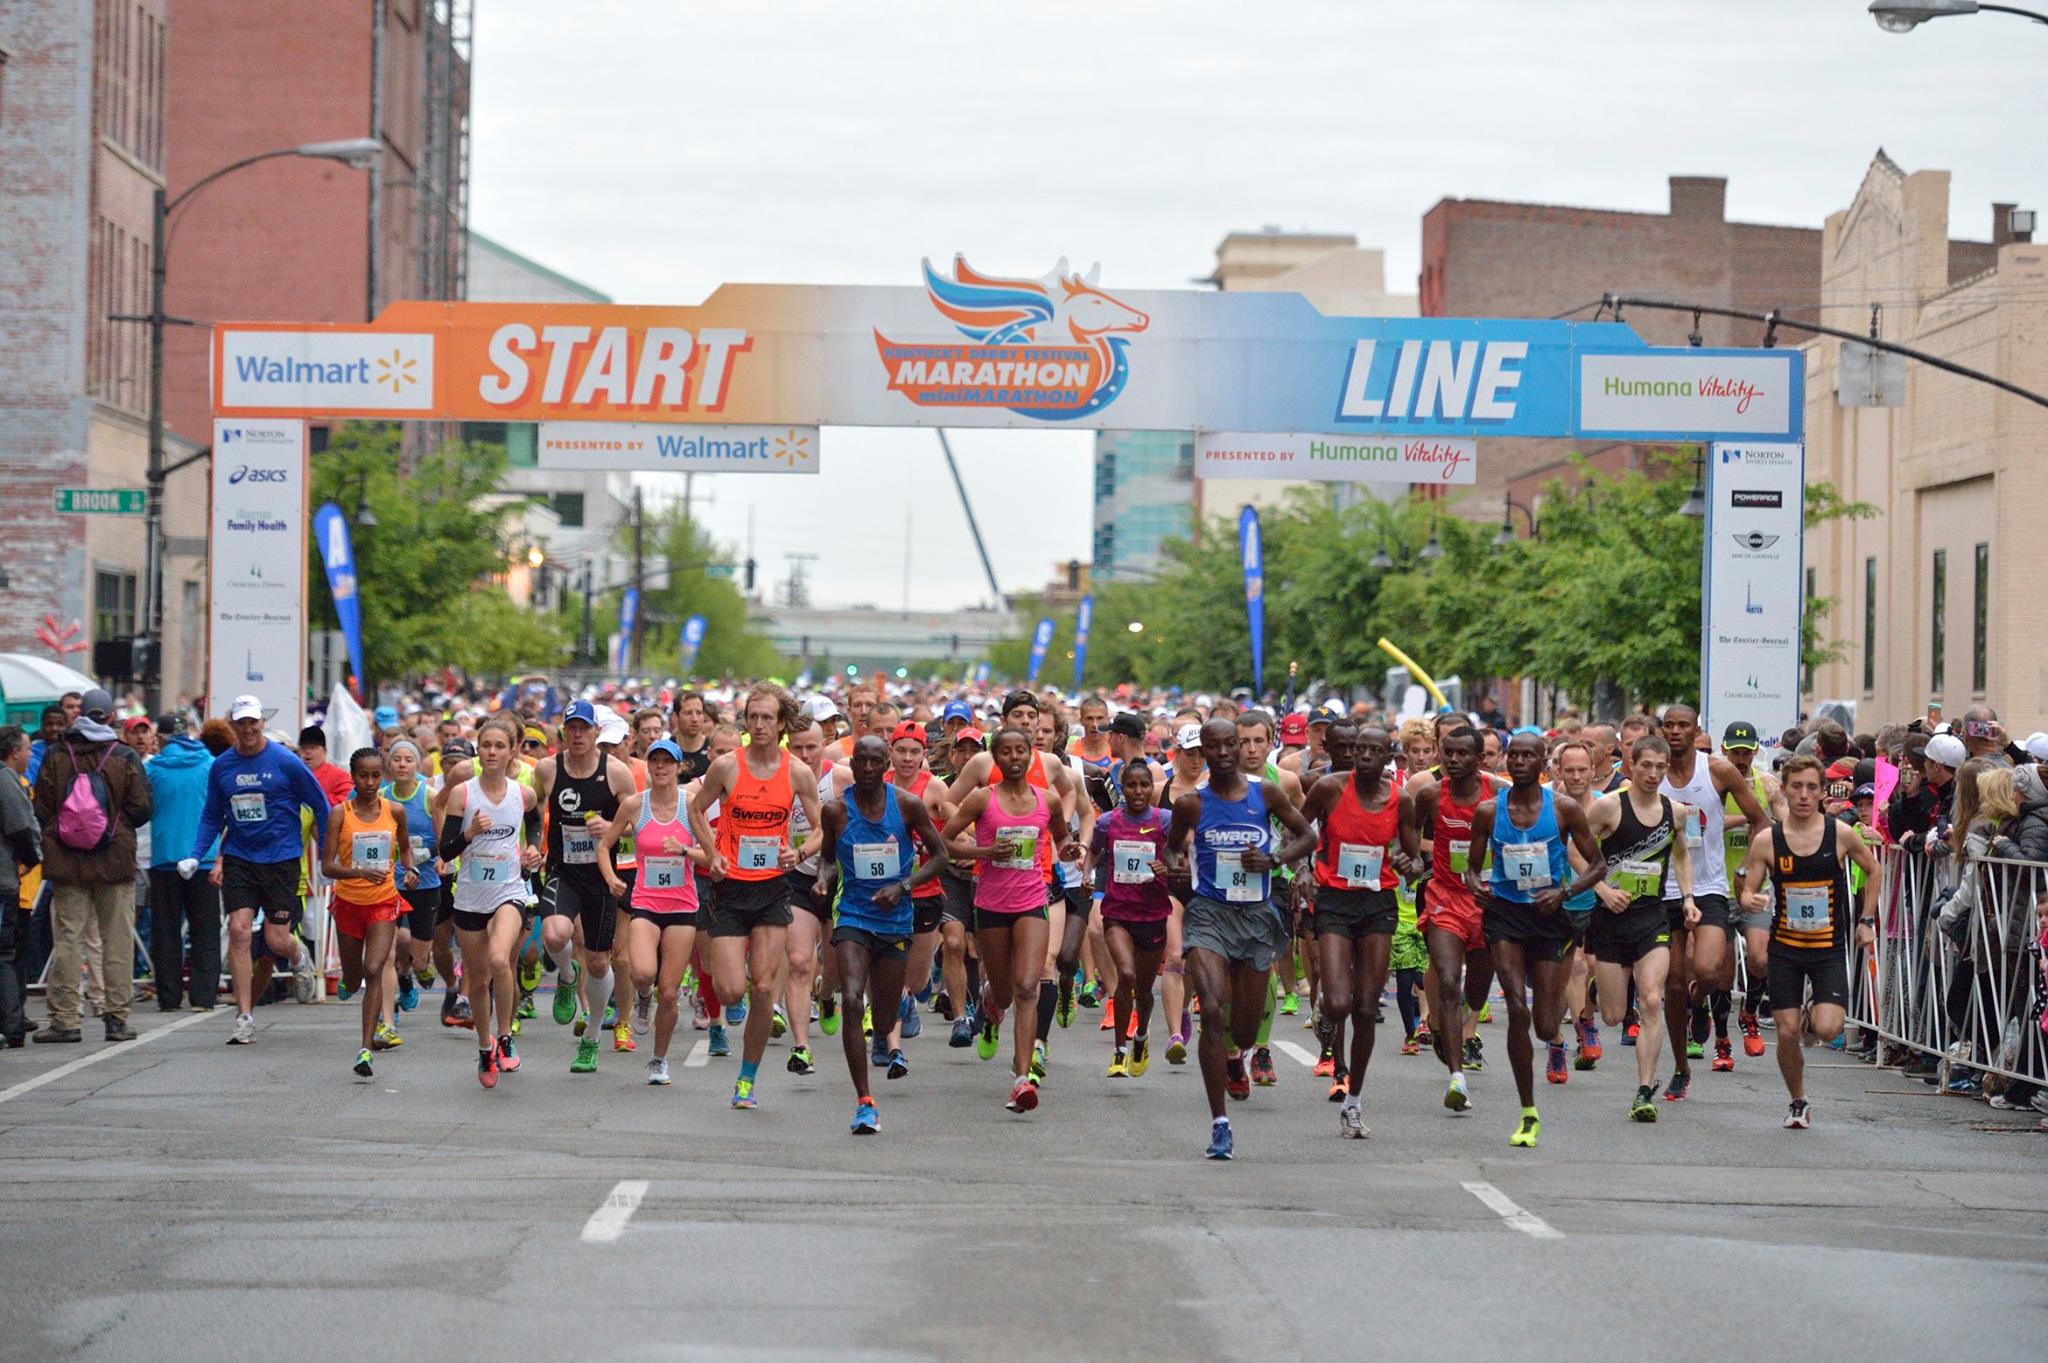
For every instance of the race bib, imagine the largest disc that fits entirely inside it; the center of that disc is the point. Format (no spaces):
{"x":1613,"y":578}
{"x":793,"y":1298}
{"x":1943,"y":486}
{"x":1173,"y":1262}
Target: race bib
{"x":248,"y":808}
{"x":1131,"y":862}
{"x":1239,"y":885}
{"x":1461,"y":855}
{"x":418,"y":845}
{"x":664,"y":873}
{"x":1637,"y":879}
{"x":579,"y":847}
{"x":1808,"y":909}
{"x":490,"y":867}
{"x":370,"y":852}
{"x":1359,"y":864}
{"x":1023,"y":839}
{"x":1738,"y":839}
{"x":1527,"y":864}
{"x":1696,"y":831}
{"x":760,"y":854}
{"x":875,"y":860}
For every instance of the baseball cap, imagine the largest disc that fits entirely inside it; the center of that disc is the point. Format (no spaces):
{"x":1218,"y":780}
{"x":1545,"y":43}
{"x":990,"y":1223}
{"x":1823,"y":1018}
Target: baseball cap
{"x":1948,"y":750}
{"x":1188,"y":736}
{"x":1866,"y":791}
{"x":970,"y":734}
{"x":136,"y":722}
{"x":957,"y":709}
{"x":2037,"y":746}
{"x":580,"y":712}
{"x":1740,"y":735}
{"x":1294,"y":729}
{"x":1128,"y":724}
{"x":386,"y":716}
{"x":908,"y":729}
{"x":96,"y":703}
{"x":1324,"y":714}
{"x":821,"y":708}
{"x":666,"y":747}
{"x":611,"y":727}
{"x":246,"y":707}
{"x":456,"y":750}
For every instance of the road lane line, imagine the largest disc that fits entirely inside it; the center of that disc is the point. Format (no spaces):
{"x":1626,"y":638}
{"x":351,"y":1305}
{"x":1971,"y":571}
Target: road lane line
{"x":699,"y":1056}
{"x":608,"y":1222}
{"x":1301,"y":1053}
{"x":111,"y":1049}
{"x":1528,"y":1223}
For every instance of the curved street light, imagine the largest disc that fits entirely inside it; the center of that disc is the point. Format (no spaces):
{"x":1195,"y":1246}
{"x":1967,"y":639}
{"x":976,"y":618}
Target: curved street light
{"x":1895,"y":17}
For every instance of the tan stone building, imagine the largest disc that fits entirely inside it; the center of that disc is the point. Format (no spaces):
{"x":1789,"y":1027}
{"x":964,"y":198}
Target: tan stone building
{"x":1939,"y":596}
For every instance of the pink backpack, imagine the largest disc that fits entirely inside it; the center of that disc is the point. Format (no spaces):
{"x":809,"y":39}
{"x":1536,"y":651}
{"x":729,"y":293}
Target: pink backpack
{"x":85,"y":821}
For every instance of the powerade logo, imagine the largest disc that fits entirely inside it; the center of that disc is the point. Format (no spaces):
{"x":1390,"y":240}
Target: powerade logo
{"x":1754,"y":498}
{"x":252,"y":475}
{"x":1051,"y":348}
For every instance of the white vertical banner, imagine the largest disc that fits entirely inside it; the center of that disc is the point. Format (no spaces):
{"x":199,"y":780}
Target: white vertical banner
{"x":256,"y":567}
{"x":1752,"y":586}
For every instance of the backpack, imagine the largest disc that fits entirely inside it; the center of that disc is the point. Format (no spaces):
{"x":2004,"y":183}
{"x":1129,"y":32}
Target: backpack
{"x":85,"y":821}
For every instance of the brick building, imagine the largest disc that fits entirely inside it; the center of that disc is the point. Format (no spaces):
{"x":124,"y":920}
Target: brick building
{"x":1484,"y":258}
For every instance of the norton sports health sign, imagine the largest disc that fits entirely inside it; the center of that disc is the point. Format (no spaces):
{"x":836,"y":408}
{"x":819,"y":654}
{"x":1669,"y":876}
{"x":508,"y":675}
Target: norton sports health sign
{"x":967,"y":347}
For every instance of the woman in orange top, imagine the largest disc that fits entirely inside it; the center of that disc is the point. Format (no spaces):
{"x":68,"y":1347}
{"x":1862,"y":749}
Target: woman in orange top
{"x":366,"y":840}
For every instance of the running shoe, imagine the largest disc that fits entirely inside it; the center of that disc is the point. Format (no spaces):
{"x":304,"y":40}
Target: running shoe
{"x":718,"y":1045}
{"x":508,"y":1056}
{"x":1799,"y":1117}
{"x":1023,"y":1097}
{"x":586,"y":1057}
{"x":1752,"y":1040}
{"x":245,"y":1031}
{"x":743,"y":1093}
{"x":878,"y":1054}
{"x":736,"y":1013}
{"x":657,"y":1071}
{"x":913,"y":1021}
{"x":1141,"y":1055}
{"x":425,"y":975}
{"x":1591,"y":1031}
{"x":1236,"y":1082}
{"x":1326,"y":1066}
{"x":963,"y":1033}
{"x":1702,"y":1024}
{"x":867,"y":1021}
{"x":525,"y":1008}
{"x":487,"y":1067}
{"x":1526,"y":1131}
{"x":1093,"y":995}
{"x":363,"y":1063}
{"x":828,"y":1015}
{"x":1412,"y":1046}
{"x":385,"y":1038}
{"x":899,"y":1065}
{"x":1220,"y":1144}
{"x":582,"y":1023}
{"x":699,"y":1019}
{"x":611,"y":1015}
{"x":1035,"y":1072}
{"x":1724,"y":1055}
{"x":1187,"y":1023}
{"x":305,"y":980}
{"x":1680,"y":1086}
{"x":1063,"y":1008}
{"x":985,"y":1041}
{"x":1177,"y":1049}
{"x":1555,"y":1070}
{"x":344,"y":991}
{"x":1644,"y":1109}
{"x":529,"y":975}
{"x":942,"y":1001}
{"x":1475,"y":1054}
{"x":1486,"y":1011}
{"x":454,"y":1010}
{"x":866,"y":1120}
{"x":1108,"y":1016}
{"x":1966,"y":1084}
{"x":800,"y":1061}
{"x":1351,"y":1122}
{"x":622,"y":1038}
{"x":1631,"y":1027}
{"x":1423,"y":1036}
{"x":643,"y":1012}
{"x":1119,"y":1065}
{"x":408,"y":993}
{"x":1263,"y":1073}
{"x":1290,"y":1004}
{"x":1694,"y":1050}
{"x":778,"y":1023}
{"x":1339,"y":1090}
{"x":565,"y":994}
{"x":1456,"y":1098}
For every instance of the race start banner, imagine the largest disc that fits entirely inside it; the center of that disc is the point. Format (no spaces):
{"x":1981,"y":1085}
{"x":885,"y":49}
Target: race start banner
{"x":1752,"y":589}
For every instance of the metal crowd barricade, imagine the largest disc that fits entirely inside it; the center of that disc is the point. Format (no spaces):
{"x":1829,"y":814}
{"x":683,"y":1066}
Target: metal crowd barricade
{"x":1973,"y":1005}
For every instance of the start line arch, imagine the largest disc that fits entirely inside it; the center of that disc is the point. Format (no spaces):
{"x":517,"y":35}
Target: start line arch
{"x":1268,"y":385}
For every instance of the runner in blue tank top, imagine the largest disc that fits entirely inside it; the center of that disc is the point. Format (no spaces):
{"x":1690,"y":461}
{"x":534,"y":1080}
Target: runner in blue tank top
{"x":869,"y":853}
{"x":1230,"y":930}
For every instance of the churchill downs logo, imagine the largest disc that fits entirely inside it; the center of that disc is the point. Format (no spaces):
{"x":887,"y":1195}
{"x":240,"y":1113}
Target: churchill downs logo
{"x":1051,"y":348}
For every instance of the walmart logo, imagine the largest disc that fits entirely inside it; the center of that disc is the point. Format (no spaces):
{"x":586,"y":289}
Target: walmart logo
{"x":396,"y":371}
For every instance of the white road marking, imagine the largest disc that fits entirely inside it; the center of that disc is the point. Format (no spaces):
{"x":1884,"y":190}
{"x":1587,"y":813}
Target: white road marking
{"x":1528,"y":1223}
{"x":699,"y":1056}
{"x":608,"y":1222}
{"x":112,"y":1049}
{"x":1301,"y":1053}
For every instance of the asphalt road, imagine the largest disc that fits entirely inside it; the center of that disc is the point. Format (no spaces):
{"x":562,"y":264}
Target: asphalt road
{"x":184,"y":1199}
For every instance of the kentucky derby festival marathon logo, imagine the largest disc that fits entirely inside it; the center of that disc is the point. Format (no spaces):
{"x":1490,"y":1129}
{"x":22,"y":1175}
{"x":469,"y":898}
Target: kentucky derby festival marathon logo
{"x":1051,"y":348}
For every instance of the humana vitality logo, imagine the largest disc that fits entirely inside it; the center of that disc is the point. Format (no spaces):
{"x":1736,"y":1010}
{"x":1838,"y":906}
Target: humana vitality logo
{"x":1051,"y":348}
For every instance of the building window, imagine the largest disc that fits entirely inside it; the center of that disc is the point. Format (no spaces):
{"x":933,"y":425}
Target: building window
{"x":569,"y":506}
{"x":113,"y":605}
{"x":1869,"y":624}
{"x":1937,"y":672}
{"x":1980,"y":620}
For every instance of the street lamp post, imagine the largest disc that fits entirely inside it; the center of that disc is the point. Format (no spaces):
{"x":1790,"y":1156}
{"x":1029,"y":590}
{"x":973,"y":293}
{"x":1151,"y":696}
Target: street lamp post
{"x":1507,"y":524}
{"x":1895,"y":16}
{"x":359,"y":153}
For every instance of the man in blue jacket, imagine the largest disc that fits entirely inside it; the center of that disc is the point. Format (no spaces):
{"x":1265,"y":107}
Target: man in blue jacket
{"x":253,"y":797}
{"x":178,"y":905}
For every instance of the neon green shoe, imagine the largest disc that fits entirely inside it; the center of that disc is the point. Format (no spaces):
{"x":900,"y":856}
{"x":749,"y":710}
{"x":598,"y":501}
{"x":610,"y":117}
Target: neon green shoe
{"x":529,"y":975}
{"x":565,"y":994}
{"x":987,"y":1039}
{"x":1063,"y":1011}
{"x":828,"y":1015}
{"x":1525,"y":1134}
{"x":1290,"y":1004}
{"x":1486,"y":1011}
{"x":867,"y":1022}
{"x":1035,"y":1072}
{"x":586,"y":1057}
{"x":525,"y":1009}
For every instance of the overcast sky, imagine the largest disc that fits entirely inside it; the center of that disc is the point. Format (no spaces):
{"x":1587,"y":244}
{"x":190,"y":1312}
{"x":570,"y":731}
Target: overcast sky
{"x":655,"y":149}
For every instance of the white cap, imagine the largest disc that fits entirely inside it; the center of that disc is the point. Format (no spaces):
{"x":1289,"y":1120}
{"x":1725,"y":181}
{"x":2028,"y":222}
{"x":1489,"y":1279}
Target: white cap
{"x":1189,"y":736}
{"x":821,"y":708}
{"x":246,"y":707}
{"x":611,"y":726}
{"x":2037,"y":746}
{"x":1948,"y":750}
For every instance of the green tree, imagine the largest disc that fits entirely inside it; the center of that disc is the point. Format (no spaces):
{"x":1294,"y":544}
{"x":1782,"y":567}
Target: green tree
{"x":733,"y":646}
{"x":429,"y":572}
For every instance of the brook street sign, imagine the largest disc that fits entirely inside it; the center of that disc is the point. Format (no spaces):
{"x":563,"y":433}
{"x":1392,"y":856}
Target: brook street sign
{"x":102,"y":501}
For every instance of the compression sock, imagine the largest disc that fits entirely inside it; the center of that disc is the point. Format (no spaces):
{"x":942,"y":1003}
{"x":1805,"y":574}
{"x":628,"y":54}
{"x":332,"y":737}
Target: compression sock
{"x":973,"y":978}
{"x":1048,"y":999}
{"x":1720,"y":1001}
{"x":1272,"y":999}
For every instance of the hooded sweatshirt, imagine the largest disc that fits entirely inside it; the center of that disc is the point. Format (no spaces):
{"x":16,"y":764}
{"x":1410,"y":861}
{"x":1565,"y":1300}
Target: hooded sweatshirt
{"x":96,"y":748}
{"x":177,"y":781}
{"x":2031,"y":830}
